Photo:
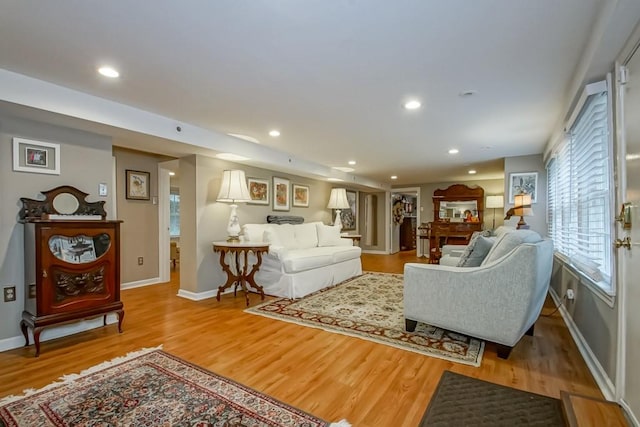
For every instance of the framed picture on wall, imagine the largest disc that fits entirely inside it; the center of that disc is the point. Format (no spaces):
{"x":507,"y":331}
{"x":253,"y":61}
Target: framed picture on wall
{"x":281,"y":193}
{"x":36,"y":156}
{"x":349,"y":216}
{"x":300,"y":196}
{"x":258,"y":190}
{"x":523,"y":182}
{"x":138,"y":185}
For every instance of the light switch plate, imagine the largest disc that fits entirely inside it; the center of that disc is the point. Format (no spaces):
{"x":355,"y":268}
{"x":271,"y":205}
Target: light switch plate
{"x":102,"y":189}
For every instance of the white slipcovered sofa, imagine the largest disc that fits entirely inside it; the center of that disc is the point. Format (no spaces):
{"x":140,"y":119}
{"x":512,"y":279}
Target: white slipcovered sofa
{"x":302,"y":258}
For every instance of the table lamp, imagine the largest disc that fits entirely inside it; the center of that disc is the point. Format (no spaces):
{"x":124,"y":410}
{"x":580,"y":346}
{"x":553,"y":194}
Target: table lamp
{"x":233,"y":190}
{"x":338,"y":200}
{"x":522,"y":207}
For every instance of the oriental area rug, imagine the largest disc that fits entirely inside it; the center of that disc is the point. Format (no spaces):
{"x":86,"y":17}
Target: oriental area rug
{"x":150,"y":388}
{"x":371,"y":307}
{"x":463,"y":401}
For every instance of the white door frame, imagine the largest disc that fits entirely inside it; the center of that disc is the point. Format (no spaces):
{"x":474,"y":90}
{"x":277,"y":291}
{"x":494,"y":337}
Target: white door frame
{"x":164,"y":188}
{"x":390,"y":218}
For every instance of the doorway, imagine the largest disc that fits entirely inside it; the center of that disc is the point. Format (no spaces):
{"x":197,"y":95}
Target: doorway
{"x":405,"y":218}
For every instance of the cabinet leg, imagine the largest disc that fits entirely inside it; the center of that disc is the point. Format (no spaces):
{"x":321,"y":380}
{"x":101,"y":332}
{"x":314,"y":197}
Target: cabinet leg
{"x":410,"y":325}
{"x":25,"y":332}
{"x":36,"y":339}
{"x":120,"y":318}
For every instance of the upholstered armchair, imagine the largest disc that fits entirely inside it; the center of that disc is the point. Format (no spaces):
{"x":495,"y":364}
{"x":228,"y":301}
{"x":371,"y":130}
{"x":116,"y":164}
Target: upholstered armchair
{"x":498,"y":301}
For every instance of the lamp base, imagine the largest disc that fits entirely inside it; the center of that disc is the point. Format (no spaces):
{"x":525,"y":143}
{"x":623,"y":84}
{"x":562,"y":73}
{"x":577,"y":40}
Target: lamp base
{"x":522,"y":225}
{"x":338,"y":220}
{"x":233,"y":239}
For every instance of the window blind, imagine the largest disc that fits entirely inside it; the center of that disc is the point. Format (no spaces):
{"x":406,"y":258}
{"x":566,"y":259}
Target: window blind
{"x":579,"y":191}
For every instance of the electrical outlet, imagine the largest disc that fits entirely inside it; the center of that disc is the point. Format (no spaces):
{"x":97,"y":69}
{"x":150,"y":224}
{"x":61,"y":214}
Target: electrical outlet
{"x":570,"y":294}
{"x":140,"y":260}
{"x":9,"y":293}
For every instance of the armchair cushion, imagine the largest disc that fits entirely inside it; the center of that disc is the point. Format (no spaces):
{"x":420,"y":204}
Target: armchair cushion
{"x":476,"y":251}
{"x":509,"y":241}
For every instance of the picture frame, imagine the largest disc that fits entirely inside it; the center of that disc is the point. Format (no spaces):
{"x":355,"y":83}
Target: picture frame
{"x":281,"y":194}
{"x":523,"y":182}
{"x":349,"y":216}
{"x":36,"y":156}
{"x":138,"y":187}
{"x":258,"y":191}
{"x":300,"y":197}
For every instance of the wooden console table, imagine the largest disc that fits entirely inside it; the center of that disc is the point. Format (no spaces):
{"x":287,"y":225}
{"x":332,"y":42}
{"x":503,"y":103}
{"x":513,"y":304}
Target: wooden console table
{"x":237,"y":268}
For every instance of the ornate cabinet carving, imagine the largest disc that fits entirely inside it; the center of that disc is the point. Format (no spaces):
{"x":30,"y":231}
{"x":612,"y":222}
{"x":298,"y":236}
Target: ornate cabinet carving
{"x":72,"y":266}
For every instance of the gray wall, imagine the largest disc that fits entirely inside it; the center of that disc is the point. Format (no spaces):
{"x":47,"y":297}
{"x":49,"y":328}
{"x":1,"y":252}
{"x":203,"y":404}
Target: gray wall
{"x":380,"y":221}
{"x":85,"y":161}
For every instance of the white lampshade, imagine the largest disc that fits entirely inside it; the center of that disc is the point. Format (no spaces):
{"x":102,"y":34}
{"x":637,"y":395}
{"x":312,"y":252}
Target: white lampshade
{"x":338,"y":199}
{"x":522,"y":205}
{"x":234,"y":187}
{"x":495,"y":202}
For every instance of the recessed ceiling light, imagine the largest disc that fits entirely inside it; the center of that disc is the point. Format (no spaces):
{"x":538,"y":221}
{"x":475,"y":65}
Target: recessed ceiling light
{"x":335,"y":179}
{"x":343,"y":169}
{"x":172,"y":174}
{"x":109,"y":72}
{"x":454,"y":151}
{"x":232,"y":157}
{"x":412,"y":105}
{"x":394,"y":176}
{"x":274,"y":133}
{"x":472,"y":171}
{"x":352,"y":162}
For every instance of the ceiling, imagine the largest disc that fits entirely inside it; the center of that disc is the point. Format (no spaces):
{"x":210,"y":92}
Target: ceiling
{"x":332,"y":76}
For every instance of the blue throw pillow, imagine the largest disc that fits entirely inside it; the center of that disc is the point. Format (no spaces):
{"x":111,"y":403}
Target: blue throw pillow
{"x":476,"y":251}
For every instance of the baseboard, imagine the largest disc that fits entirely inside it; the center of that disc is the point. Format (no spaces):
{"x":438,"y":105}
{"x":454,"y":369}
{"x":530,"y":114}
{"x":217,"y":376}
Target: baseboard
{"x":199,"y":296}
{"x":602,"y":379}
{"x":375,"y":252}
{"x":54,"y":332}
{"x":140,"y":283}
{"x":630,"y":416}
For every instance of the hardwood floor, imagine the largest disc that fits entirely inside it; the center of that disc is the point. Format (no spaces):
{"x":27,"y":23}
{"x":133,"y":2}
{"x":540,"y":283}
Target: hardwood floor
{"x":329,"y":375}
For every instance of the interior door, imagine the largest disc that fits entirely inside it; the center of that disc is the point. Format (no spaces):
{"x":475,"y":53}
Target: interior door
{"x":630,"y":257}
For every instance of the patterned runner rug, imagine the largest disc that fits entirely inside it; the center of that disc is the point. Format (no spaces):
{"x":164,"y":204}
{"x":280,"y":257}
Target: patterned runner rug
{"x":371,"y":307}
{"x":463,"y":401}
{"x":150,"y":388}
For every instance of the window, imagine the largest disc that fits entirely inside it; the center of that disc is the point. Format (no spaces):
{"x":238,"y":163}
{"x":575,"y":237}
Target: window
{"x":580,"y":190}
{"x":174,"y":213}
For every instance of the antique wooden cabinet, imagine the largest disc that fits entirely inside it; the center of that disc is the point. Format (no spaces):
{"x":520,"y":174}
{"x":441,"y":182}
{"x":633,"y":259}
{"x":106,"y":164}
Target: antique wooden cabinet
{"x":72,"y":261}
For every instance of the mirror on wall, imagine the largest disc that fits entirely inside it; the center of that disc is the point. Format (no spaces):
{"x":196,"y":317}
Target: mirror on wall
{"x":458,"y":210}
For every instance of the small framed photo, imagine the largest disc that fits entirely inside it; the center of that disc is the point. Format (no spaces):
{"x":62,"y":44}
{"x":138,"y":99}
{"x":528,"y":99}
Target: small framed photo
{"x":523,"y":182}
{"x":258,"y":190}
{"x":281,"y":194}
{"x":138,"y":185}
{"x":36,"y":156}
{"x":300,"y":196}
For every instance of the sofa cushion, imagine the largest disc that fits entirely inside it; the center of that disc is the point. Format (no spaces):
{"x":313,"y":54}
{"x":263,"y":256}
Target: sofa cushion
{"x":508,"y":241}
{"x":476,"y":251}
{"x":328,"y":235}
{"x":307,"y":259}
{"x":286,"y":235}
{"x":503,"y":229}
{"x":306,"y":235}
{"x":271,"y":237}
{"x":345,"y":253}
{"x":254,"y":232}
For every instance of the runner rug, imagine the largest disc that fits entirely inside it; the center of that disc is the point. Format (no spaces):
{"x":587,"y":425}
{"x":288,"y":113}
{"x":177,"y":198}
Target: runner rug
{"x":371,"y":307}
{"x":150,"y":388}
{"x":463,"y":401}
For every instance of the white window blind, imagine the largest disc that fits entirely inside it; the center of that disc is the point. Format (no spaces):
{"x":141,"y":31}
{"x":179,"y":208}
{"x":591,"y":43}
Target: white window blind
{"x":579,"y":191}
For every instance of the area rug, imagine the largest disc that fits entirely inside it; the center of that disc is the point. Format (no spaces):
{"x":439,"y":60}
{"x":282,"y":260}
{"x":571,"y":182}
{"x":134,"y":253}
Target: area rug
{"x":150,"y":388}
{"x":463,"y":401}
{"x":371,"y":307}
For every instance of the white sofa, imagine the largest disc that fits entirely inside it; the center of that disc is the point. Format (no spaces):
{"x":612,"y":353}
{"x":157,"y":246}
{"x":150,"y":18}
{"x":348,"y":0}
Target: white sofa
{"x":302,"y":258}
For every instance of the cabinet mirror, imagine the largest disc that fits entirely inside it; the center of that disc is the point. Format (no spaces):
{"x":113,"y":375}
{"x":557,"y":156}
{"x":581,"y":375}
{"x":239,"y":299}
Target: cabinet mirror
{"x":79,"y":249}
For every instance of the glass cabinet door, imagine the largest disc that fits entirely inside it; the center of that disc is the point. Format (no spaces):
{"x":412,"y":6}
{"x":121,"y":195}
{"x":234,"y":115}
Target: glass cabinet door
{"x":79,"y":249}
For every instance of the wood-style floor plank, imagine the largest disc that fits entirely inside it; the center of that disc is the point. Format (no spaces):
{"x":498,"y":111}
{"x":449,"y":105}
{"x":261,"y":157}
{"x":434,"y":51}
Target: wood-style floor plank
{"x":329,"y":375}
